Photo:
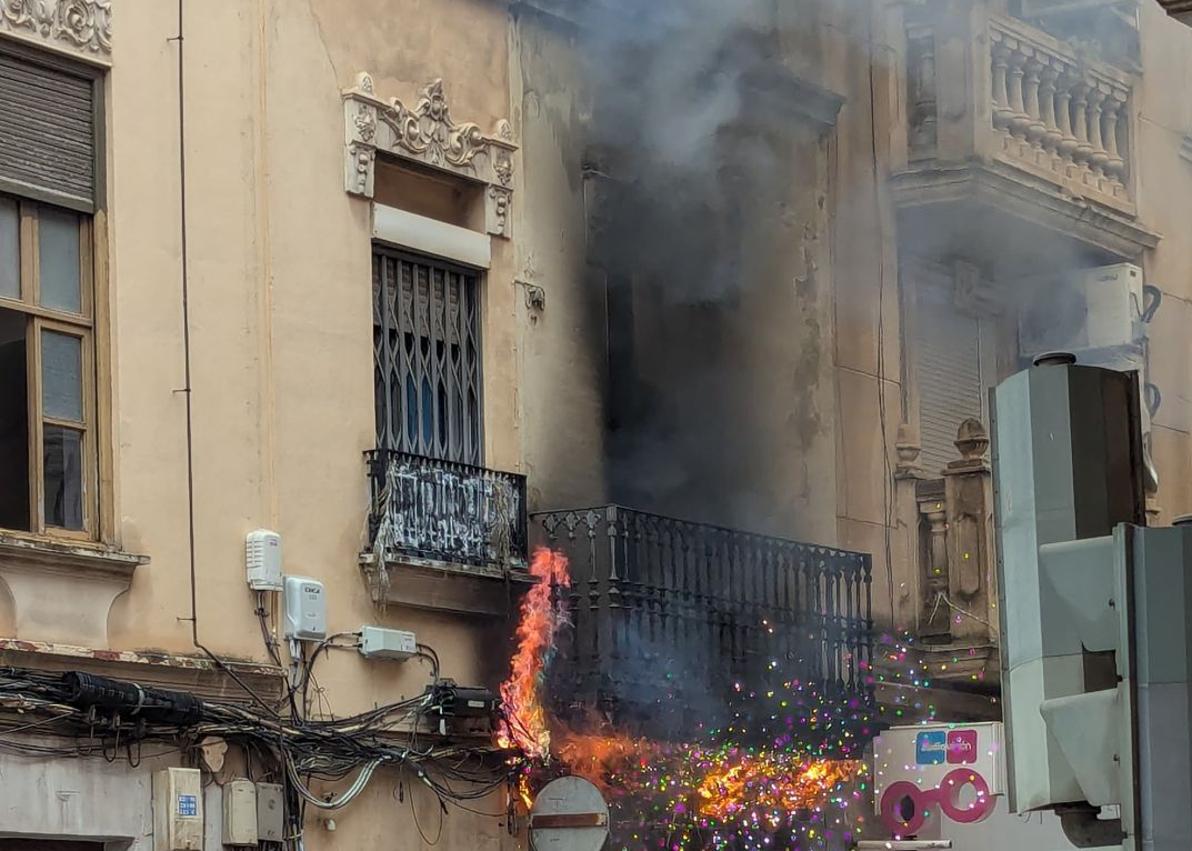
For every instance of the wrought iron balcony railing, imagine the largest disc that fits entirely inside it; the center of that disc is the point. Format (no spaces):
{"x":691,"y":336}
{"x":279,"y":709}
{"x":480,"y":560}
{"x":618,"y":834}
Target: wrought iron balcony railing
{"x":423,"y":508}
{"x":695,"y":614}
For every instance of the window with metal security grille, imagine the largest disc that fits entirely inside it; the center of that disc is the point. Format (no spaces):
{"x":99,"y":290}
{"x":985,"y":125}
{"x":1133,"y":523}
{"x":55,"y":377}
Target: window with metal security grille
{"x":426,"y":343}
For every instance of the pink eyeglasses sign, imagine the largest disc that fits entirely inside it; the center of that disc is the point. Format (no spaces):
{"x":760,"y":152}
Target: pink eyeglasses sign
{"x":904,"y":796}
{"x":955,"y":770}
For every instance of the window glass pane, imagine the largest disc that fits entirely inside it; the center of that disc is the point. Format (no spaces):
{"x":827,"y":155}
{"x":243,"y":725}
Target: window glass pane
{"x":58,"y":255}
{"x":62,"y":376}
{"x":14,"y":423}
{"x":10,"y":249}
{"x":63,"y":457}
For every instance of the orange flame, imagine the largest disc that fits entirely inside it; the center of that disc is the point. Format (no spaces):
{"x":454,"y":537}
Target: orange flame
{"x":770,"y":783}
{"x":727,"y":782}
{"x":722,"y":783}
{"x":524,"y":723}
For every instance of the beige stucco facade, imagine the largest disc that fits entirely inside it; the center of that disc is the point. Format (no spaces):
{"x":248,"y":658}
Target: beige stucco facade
{"x":281,"y":347}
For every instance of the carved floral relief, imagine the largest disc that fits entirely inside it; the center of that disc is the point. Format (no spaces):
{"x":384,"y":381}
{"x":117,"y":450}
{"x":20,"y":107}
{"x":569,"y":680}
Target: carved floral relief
{"x":84,"y":26}
{"x":427,"y":133}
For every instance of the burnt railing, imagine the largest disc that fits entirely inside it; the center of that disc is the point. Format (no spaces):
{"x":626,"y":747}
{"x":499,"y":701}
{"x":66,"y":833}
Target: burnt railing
{"x":424,"y":508}
{"x":668,"y":613}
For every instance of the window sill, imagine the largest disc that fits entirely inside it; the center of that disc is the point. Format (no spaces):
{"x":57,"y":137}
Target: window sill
{"x":446,"y":586}
{"x":62,"y":591}
{"x":67,"y":555}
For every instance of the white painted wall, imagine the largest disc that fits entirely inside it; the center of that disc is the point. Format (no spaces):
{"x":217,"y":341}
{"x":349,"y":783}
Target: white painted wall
{"x":92,"y":799}
{"x":1002,"y":831}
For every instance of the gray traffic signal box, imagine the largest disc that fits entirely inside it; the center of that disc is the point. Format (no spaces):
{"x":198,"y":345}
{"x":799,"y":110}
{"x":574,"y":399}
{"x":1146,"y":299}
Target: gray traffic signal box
{"x":1094,"y":615}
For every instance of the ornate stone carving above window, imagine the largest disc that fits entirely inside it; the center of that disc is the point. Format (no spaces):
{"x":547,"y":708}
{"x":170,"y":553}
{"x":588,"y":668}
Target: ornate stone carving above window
{"x":79,"y":27}
{"x":426,"y":133}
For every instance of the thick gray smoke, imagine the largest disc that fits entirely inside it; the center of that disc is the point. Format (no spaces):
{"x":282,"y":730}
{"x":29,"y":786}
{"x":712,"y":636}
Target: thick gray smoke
{"x":683,"y":181}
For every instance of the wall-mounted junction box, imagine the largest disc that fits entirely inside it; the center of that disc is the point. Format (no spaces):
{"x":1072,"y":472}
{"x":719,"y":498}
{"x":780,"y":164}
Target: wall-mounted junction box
{"x":306,"y":609}
{"x":376,"y":642}
{"x":177,"y":810}
{"x":262,"y":555}
{"x":271,"y":813}
{"x":240,"y":813}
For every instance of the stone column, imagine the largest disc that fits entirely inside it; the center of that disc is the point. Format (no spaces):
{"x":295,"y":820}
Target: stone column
{"x":934,"y":612}
{"x":968,"y":497}
{"x":907,"y":475}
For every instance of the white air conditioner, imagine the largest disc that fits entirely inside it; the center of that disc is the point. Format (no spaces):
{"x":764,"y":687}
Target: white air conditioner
{"x":1093,"y":309}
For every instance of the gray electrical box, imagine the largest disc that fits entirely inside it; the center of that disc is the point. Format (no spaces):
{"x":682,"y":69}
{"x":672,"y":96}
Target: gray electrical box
{"x":271,"y":812}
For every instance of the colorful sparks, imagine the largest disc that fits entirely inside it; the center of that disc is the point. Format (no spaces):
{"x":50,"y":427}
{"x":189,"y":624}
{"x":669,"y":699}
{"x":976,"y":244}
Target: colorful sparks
{"x":790,"y":788}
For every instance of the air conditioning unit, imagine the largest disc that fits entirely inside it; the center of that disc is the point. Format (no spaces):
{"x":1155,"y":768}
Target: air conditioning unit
{"x":1093,"y":310}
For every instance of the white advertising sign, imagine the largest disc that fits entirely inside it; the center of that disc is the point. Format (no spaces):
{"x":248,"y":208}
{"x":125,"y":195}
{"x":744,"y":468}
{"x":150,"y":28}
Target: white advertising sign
{"x":956,"y":770}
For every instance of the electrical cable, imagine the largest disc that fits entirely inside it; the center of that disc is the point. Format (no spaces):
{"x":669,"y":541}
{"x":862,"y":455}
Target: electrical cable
{"x":425,"y":651}
{"x":418,"y":824}
{"x":305,"y":750}
{"x":887,"y":470}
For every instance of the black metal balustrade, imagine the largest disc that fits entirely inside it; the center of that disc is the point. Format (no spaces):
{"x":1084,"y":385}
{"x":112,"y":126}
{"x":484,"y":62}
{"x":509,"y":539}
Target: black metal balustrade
{"x":443,"y":511}
{"x":673,"y":616}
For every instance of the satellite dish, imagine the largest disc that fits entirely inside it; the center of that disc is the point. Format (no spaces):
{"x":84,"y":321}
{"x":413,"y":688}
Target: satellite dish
{"x":569,"y":814}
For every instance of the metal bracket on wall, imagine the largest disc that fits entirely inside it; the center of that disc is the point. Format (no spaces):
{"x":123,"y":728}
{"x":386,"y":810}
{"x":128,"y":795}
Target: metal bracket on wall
{"x":535,"y":298}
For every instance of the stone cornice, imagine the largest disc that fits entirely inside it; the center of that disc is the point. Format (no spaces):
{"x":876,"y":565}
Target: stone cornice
{"x":80,"y":28}
{"x":427,"y":133}
{"x":782,"y":95}
{"x":195,"y":674}
{"x":1002,"y":188}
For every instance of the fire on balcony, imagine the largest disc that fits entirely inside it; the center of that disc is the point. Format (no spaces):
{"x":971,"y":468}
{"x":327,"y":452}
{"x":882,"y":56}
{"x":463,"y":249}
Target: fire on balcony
{"x":641,"y":624}
{"x":704,"y":615}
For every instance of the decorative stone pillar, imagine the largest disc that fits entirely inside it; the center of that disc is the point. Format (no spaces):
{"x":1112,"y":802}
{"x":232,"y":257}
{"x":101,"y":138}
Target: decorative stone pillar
{"x":1080,"y":122}
{"x":934,"y":621}
{"x":907,"y":475}
{"x":1047,"y":92}
{"x":968,"y":497}
{"x":1001,"y":98}
{"x":1030,"y":98}
{"x":1018,"y":117}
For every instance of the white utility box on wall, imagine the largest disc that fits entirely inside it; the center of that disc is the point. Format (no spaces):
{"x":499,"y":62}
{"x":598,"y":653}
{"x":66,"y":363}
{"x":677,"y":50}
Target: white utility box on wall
{"x":306,"y":609}
{"x":240,"y":813}
{"x":263,"y":560}
{"x":381,"y":643}
{"x":177,"y":810}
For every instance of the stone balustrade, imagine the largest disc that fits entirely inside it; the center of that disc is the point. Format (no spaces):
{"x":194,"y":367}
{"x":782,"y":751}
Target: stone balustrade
{"x":996,"y":89}
{"x":1055,"y":112}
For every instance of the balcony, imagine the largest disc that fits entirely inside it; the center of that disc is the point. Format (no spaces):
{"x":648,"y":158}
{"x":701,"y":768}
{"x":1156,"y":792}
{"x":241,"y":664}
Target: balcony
{"x":439,"y":533}
{"x":1014,"y":133}
{"x":676,"y":624}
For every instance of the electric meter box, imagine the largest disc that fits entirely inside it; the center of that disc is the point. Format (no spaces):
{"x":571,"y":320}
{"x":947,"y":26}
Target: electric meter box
{"x":271,"y":812}
{"x":240,"y":813}
{"x":306,"y":609}
{"x":178,"y":810}
{"x":263,"y":560}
